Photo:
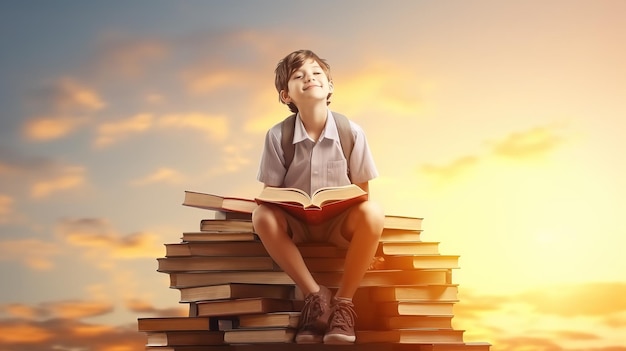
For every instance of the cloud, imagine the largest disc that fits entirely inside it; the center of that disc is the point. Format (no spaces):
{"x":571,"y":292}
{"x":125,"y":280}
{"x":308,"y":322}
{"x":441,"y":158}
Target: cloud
{"x":452,"y":170}
{"x":97,"y":234}
{"x":111,"y":132}
{"x":588,"y":299}
{"x":382,"y":86}
{"x":68,"y":96}
{"x":142,"y":307}
{"x":124,"y":56}
{"x":70,"y":177}
{"x":6,"y":207}
{"x":33,"y":253}
{"x":527,"y":343}
{"x":20,"y":332}
{"x":524,"y":145}
{"x":49,"y":128}
{"x":67,"y":334}
{"x":530,"y":143}
{"x":64,"y":106}
{"x":201,"y":81}
{"x":234,"y":158}
{"x":161,"y":175}
{"x":69,"y":309}
{"x":37,"y":177}
{"x":215,"y":127}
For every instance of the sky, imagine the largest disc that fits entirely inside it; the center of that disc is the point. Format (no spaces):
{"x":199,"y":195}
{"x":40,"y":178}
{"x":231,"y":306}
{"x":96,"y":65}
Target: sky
{"x":499,"y":122}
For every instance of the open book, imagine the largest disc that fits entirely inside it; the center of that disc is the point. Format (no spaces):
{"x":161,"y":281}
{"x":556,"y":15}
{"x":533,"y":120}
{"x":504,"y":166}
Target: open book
{"x":323,"y":204}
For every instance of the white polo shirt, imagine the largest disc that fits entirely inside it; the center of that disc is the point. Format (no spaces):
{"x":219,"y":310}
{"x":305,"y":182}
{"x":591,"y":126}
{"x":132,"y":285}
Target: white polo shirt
{"x":315,"y":165}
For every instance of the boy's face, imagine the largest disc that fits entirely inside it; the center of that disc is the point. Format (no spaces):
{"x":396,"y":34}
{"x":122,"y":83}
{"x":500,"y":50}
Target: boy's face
{"x":308,"y":84}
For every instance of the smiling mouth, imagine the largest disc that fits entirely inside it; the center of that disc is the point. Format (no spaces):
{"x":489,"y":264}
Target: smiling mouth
{"x":312,"y":86}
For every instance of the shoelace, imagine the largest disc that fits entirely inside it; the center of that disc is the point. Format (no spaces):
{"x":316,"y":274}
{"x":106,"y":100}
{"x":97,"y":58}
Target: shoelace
{"x":312,"y":310}
{"x":343,"y":315}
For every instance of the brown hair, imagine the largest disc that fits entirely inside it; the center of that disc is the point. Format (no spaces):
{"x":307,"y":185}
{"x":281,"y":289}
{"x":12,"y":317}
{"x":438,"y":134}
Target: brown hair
{"x":290,"y":64}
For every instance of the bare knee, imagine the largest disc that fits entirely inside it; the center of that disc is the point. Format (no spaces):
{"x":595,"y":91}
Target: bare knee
{"x":268,"y":221}
{"x":366,"y":218}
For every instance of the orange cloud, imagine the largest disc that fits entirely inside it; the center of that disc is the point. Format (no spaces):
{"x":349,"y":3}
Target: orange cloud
{"x":142,"y":307}
{"x":451,"y":170}
{"x":590,"y":299}
{"x":71,"y":177}
{"x":76,"y":309}
{"x":23,"y":333}
{"x":234,"y":158}
{"x":98,"y":234}
{"x":125,"y":57}
{"x":111,"y":132}
{"x":66,"y":334}
{"x":216,"y":127}
{"x":203,"y":81}
{"x":71,"y":309}
{"x":534,"y":142}
{"x":161,"y":175}
{"x":34,"y":253}
{"x":68,"y":96}
{"x":67,"y":105}
{"x":49,"y":128}
{"x":6,"y":208}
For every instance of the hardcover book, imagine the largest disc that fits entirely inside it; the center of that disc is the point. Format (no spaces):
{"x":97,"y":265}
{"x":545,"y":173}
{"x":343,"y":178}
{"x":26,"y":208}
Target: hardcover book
{"x":323,"y":204}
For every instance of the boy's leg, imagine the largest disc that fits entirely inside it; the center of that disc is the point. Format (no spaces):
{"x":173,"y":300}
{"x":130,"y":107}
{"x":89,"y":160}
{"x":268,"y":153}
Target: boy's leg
{"x":271,"y":226}
{"x":362,"y":227}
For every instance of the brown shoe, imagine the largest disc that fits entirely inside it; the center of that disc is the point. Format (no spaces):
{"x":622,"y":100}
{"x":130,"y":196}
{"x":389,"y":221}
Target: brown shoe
{"x":341,"y":325}
{"x":314,"y":317}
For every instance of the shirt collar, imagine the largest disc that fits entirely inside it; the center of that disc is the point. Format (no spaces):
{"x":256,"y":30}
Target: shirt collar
{"x":329,"y":132}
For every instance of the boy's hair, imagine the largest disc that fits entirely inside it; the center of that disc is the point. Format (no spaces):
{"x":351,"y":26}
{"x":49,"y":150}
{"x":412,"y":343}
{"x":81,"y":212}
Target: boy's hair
{"x":290,"y":64}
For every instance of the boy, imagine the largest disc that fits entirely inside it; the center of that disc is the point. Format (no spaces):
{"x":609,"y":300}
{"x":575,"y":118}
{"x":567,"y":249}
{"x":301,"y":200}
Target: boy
{"x":304,"y":83}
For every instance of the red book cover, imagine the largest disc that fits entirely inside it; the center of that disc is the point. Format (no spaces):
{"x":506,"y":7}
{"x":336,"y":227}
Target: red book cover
{"x":324,"y":204}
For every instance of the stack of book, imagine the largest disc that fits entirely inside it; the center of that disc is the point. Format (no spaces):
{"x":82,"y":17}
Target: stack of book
{"x":239,"y":299}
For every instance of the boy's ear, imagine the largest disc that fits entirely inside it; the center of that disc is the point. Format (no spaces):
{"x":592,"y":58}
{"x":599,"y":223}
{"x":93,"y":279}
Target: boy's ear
{"x":284,"y":97}
{"x":331,"y":86}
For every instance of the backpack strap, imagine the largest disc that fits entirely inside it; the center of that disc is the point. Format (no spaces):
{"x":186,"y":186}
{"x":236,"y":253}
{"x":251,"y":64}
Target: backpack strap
{"x":346,"y":138}
{"x":288,"y":128}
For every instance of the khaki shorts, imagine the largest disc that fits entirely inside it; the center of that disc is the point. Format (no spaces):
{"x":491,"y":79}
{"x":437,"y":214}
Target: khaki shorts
{"x":325,"y":232}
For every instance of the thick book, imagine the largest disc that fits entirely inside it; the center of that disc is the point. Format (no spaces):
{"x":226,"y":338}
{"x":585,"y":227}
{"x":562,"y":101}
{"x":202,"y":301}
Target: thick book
{"x":412,"y":322}
{"x":207,"y":263}
{"x":400,"y":235}
{"x":226,"y":248}
{"x":422,"y":262}
{"x":226,"y":225}
{"x":270,"y":320}
{"x":219,"y":236}
{"x":235,"y":291}
{"x":185,"y":338}
{"x":243,"y":306}
{"x":330,"y":279}
{"x":221,"y":347}
{"x":443,"y":292}
{"x":261,"y":335}
{"x":416,"y":308}
{"x":218,"y":203}
{"x":403,"y":222}
{"x":174,"y":323}
{"x":408,"y":248}
{"x":410,"y":336}
{"x":323,"y":204}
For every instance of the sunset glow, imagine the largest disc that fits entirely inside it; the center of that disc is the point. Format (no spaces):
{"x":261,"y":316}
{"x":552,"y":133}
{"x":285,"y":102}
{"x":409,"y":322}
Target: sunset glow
{"x":500,"y":122}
